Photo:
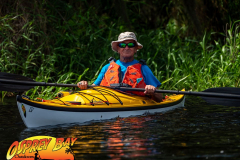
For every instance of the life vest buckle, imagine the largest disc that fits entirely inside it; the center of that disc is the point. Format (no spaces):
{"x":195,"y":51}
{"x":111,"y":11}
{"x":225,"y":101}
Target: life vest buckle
{"x":120,"y":85}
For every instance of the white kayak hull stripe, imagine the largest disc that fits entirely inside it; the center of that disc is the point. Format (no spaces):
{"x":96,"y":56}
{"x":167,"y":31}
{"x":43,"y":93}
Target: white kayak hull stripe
{"x":37,"y":117}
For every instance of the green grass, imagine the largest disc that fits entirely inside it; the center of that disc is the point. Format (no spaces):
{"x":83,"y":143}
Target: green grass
{"x":78,"y":48}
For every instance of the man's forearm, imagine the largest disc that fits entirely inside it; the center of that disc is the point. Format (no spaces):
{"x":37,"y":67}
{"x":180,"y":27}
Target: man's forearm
{"x":157,"y":97}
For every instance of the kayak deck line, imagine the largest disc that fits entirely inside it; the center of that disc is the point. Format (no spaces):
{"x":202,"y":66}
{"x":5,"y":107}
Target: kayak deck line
{"x":90,"y":104}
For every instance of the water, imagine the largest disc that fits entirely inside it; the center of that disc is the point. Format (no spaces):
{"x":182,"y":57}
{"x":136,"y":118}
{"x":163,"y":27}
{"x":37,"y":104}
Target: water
{"x":198,"y":131}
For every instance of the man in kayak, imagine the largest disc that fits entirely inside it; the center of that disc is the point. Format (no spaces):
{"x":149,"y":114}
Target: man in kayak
{"x":127,"y":71}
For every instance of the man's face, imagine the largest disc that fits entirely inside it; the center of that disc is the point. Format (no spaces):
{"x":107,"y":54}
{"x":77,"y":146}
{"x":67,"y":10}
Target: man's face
{"x":127,"y":52}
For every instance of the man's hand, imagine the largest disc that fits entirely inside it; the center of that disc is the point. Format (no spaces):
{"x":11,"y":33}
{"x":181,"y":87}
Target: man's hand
{"x":82,"y":84}
{"x":150,"y":90}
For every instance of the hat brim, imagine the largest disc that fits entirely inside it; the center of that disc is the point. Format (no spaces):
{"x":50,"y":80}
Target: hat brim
{"x":115,"y":43}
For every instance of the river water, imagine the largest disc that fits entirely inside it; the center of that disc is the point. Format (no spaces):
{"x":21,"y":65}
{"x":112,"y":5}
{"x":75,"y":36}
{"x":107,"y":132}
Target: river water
{"x":197,"y":131}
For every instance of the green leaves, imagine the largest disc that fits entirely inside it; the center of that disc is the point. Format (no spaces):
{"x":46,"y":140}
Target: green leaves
{"x":59,"y":41}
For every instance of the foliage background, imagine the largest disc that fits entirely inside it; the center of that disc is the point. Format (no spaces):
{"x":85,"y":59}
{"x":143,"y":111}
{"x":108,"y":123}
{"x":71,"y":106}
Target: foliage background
{"x":187,"y":44}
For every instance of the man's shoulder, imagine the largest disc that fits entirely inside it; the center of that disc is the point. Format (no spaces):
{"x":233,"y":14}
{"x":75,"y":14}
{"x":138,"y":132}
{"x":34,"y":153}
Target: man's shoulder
{"x":146,"y":69}
{"x":142,"y":62}
{"x":106,"y":66}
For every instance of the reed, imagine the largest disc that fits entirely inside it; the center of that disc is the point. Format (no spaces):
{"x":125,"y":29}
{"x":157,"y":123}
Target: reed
{"x":78,"y":48}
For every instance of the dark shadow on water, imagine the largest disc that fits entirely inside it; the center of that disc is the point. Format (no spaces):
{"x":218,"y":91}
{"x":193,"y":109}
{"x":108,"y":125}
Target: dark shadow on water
{"x":11,"y":125}
{"x":198,"y":131}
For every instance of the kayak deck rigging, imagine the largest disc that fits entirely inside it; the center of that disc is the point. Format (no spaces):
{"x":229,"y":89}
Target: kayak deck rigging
{"x":109,"y":92}
{"x":88,"y":95}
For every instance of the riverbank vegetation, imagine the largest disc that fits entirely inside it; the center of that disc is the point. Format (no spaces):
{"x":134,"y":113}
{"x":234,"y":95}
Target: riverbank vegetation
{"x":191,"y":45}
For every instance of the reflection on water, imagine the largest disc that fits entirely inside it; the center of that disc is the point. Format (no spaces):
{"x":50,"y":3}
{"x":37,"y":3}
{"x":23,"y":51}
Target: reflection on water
{"x":198,"y":131}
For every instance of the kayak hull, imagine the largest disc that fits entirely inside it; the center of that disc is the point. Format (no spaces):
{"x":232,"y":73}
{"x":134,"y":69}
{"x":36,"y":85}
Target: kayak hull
{"x":37,"y":114}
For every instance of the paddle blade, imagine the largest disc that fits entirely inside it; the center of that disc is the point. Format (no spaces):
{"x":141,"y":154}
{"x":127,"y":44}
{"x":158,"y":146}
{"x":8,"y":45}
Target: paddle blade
{"x":14,"y":87}
{"x":223,"y":101}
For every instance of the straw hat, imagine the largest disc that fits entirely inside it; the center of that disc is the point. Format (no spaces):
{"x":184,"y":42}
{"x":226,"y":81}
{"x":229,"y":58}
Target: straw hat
{"x":125,"y":36}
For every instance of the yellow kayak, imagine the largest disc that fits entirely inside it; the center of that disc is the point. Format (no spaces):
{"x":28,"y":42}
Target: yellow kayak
{"x":97,"y":103}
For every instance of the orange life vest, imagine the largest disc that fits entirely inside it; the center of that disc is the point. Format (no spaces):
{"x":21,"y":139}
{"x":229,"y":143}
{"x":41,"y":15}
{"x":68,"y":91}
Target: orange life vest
{"x":133,"y":76}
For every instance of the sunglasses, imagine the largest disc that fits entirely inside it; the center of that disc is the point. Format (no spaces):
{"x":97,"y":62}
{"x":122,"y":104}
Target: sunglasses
{"x":123,"y":45}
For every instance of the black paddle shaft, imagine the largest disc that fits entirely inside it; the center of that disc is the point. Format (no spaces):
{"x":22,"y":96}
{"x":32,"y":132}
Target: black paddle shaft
{"x":33,"y":83}
{"x":12,"y":82}
{"x":207,"y":94}
{"x":18,"y":83}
